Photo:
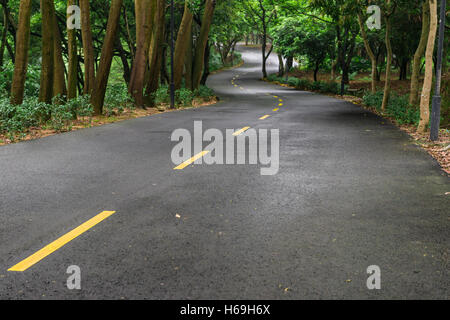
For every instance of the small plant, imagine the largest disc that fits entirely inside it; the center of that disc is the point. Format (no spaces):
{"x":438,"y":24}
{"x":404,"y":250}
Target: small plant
{"x":117,"y":100}
{"x":204,"y":93}
{"x":161,"y":95}
{"x":183,"y":97}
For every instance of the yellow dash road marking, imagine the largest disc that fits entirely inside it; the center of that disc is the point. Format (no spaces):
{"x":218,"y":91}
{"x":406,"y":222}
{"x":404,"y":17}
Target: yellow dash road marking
{"x":241,"y":131}
{"x":191,"y":160}
{"x":57,"y":244}
{"x":280,"y":105}
{"x":275,"y":96}
{"x":281,"y":100}
{"x":276,"y":109}
{"x":264,"y":117}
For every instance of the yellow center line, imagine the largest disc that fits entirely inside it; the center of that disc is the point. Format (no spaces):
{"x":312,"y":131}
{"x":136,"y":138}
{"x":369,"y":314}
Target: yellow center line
{"x":191,"y":160}
{"x":280,"y":105}
{"x":241,"y":131}
{"x":57,"y":244}
{"x":276,"y":109}
{"x":275,"y":96}
{"x":281,"y":100}
{"x":264,"y":117}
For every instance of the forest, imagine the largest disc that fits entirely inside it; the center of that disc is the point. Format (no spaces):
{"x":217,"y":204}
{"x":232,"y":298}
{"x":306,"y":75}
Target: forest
{"x":74,"y":63}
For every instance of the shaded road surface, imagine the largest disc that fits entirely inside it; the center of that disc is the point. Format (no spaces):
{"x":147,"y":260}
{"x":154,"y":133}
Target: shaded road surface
{"x":352,"y":191}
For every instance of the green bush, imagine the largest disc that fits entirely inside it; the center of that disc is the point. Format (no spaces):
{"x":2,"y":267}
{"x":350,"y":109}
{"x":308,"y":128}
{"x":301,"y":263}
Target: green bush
{"x":117,"y":99}
{"x":204,"y":92}
{"x":292,"y":81}
{"x":80,"y":106}
{"x":397,"y":108}
{"x":17,"y":119}
{"x":161,"y":95}
{"x":183,"y":97}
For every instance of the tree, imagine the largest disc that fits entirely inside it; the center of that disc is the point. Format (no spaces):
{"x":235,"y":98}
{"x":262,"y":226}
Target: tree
{"x":202,"y":40}
{"x":414,"y":92}
{"x":387,"y":87}
{"x":156,"y":50}
{"x":72,"y":71}
{"x":369,"y":50}
{"x":101,"y":80}
{"x":428,"y":82}
{"x":48,"y":52}
{"x":262,"y":13}
{"x":145,"y":12}
{"x":182,"y":44}
{"x":88,"y":47}
{"x":21,"y":54}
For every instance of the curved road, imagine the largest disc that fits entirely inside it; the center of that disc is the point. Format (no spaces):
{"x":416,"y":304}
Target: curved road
{"x":351,"y":191}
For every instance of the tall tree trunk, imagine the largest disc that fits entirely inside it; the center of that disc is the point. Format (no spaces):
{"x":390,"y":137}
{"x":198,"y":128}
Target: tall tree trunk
{"x":189,"y":62}
{"x":46,"y":83}
{"x":414,"y":92}
{"x":88,"y":47}
{"x":145,"y":12}
{"x":428,"y":82}
{"x":182,"y":44}
{"x":202,"y":41}
{"x":4,"y":38}
{"x":280,"y":65}
{"x":101,"y":80}
{"x":369,"y":51}
{"x":21,"y":55}
{"x":206,"y":71}
{"x":59,"y":77}
{"x":387,"y":86}
{"x":72,"y":79}
{"x":155,"y":51}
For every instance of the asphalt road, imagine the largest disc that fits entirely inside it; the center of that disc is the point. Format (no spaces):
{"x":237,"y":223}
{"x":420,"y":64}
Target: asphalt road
{"x":351,"y":191}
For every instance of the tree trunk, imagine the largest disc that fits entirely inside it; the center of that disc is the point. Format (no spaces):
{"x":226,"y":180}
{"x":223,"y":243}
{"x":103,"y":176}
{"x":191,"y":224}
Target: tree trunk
{"x":72,"y":76}
{"x":280,"y":65}
{"x":21,"y":55}
{"x":316,"y":71}
{"x":155,"y":52}
{"x":206,"y":72}
{"x":3,"y":39}
{"x":414,"y":92}
{"x":428,"y":82}
{"x":189,"y":62}
{"x":182,"y":44}
{"x":59,"y":67}
{"x":47,"y":65}
{"x":387,"y":86}
{"x":145,"y":13}
{"x":101,"y":80}
{"x":202,"y":40}
{"x":369,"y":51}
{"x":88,"y":48}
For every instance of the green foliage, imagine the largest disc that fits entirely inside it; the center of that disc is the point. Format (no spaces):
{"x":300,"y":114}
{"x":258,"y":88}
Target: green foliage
{"x":183,"y":97}
{"x":305,"y":84}
{"x":117,"y":99}
{"x":204,"y":92}
{"x":17,"y":119}
{"x":31,"y":84}
{"x":161,"y":95}
{"x":398,"y":107}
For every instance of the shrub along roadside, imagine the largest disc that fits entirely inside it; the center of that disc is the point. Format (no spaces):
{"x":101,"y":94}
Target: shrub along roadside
{"x":17,"y":121}
{"x":398,"y":107}
{"x":307,"y":85}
